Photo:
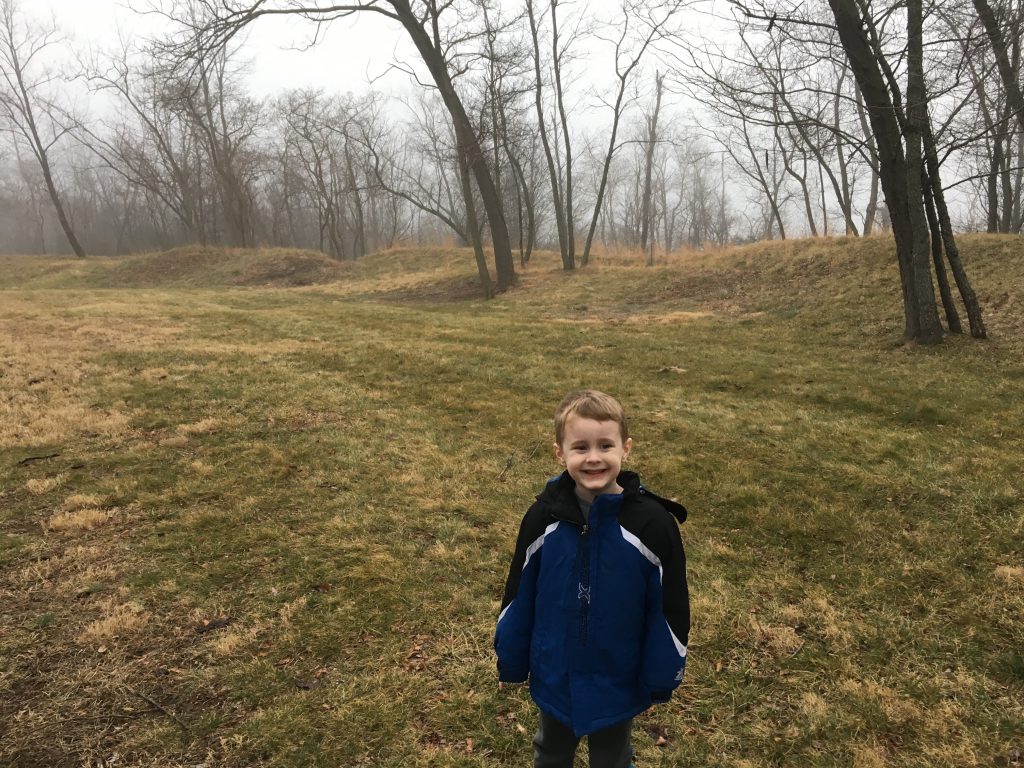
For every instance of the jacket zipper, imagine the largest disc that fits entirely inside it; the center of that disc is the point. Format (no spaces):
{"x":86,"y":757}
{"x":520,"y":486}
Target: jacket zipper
{"x":584,"y":591}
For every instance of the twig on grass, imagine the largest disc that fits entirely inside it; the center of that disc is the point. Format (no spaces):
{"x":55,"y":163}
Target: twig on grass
{"x":159,"y":706}
{"x":508,"y":466}
{"x":30,"y":459}
{"x":511,"y":459}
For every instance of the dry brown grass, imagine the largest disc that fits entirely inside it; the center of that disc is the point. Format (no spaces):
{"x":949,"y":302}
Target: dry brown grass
{"x":41,"y":485}
{"x":1011,"y":575}
{"x":82,"y":500}
{"x":80,"y":520}
{"x":780,"y":640}
{"x":48,"y":358}
{"x":869,"y":757}
{"x":202,"y":427}
{"x":119,"y":620}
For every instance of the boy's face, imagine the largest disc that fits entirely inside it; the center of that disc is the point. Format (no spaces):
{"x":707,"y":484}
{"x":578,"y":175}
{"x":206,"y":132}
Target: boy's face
{"x":592,"y":451}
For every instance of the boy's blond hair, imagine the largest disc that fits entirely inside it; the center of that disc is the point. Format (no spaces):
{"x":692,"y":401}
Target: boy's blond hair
{"x":590,"y":404}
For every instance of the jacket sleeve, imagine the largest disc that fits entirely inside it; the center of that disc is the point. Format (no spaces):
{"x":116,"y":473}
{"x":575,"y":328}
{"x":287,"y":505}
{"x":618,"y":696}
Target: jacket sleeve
{"x":515,"y":622}
{"x":667,"y":613}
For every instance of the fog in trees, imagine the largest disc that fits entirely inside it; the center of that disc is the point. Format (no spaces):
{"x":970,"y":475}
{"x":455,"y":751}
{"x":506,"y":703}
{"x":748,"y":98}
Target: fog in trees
{"x":642,"y":124}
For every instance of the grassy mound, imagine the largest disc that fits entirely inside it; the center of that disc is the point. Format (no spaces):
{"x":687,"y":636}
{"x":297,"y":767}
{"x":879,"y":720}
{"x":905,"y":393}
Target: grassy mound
{"x":187,"y":267}
{"x":270,"y":527}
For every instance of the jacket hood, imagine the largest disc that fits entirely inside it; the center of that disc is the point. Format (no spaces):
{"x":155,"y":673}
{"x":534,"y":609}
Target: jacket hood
{"x":561,"y":490}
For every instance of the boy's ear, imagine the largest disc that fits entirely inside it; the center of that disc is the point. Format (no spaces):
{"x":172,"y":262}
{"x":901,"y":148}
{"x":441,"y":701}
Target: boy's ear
{"x":558,"y":453}
{"x":627,"y":448}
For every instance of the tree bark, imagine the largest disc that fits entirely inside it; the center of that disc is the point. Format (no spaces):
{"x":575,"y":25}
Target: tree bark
{"x":473,"y":227}
{"x":872,"y":207}
{"x":952,"y":316}
{"x":556,"y":192}
{"x":570,"y":218}
{"x":963,"y":284}
{"x":929,"y":329}
{"x":801,"y":179}
{"x":469,"y":145}
{"x":652,"y":138}
{"x":892,"y":162}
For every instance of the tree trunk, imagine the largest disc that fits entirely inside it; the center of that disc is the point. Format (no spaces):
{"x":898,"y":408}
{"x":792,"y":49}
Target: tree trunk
{"x":872,"y":207}
{"x":473,"y":227}
{"x":952,"y":316}
{"x":58,"y":206}
{"x":1017,"y":214}
{"x":570,"y":218}
{"x":1003,"y":170}
{"x":359,"y":242}
{"x":805,"y":192}
{"x":468,"y":144}
{"x":556,"y":192}
{"x":963,"y":284}
{"x":930,"y":331}
{"x":652,"y":138}
{"x":23,"y":109}
{"x":891,"y":160}
{"x":526,"y":201}
{"x":846,"y":197}
{"x":995,"y":163}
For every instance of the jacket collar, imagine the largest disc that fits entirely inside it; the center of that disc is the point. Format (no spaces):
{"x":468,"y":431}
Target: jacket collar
{"x":560,"y":495}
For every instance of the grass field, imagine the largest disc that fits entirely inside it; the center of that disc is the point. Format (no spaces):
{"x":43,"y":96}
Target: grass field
{"x":257,"y":508}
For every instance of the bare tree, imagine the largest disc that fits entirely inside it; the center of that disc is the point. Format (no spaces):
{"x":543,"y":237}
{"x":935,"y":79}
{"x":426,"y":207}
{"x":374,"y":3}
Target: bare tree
{"x":554,"y":175}
{"x":997,"y":158}
{"x":1007,"y":72}
{"x":27,"y":110}
{"x":419,"y":170}
{"x":509,"y":60}
{"x":907,"y":160}
{"x":436,"y":30}
{"x":651,"y":141}
{"x":224,"y":121}
{"x":150,"y":146}
{"x":641,"y":23}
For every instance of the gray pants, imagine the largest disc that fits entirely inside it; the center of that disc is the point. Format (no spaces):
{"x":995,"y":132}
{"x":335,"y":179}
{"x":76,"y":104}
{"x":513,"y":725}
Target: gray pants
{"x":555,"y":745}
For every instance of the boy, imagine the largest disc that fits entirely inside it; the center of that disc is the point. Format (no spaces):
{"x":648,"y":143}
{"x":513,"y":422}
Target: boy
{"x":596,"y":610}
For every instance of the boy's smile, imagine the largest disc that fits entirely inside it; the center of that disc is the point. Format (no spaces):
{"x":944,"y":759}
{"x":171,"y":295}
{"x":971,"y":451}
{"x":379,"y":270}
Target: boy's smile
{"x":593,"y":451}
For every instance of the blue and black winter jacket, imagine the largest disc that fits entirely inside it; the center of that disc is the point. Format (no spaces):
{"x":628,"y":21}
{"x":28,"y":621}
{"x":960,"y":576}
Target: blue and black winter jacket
{"x":596,"y":613}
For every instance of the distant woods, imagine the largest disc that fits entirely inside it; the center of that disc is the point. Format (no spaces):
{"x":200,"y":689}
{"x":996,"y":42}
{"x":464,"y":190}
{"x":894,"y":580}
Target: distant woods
{"x":699,"y":124}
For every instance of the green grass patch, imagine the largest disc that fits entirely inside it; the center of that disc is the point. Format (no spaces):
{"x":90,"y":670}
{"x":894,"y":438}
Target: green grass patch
{"x":247,"y":525}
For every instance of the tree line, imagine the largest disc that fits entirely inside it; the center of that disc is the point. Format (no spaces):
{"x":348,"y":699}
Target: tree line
{"x":838,"y":118}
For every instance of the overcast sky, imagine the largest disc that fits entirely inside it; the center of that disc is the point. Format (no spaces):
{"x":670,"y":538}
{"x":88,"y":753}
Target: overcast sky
{"x":353,"y":52}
